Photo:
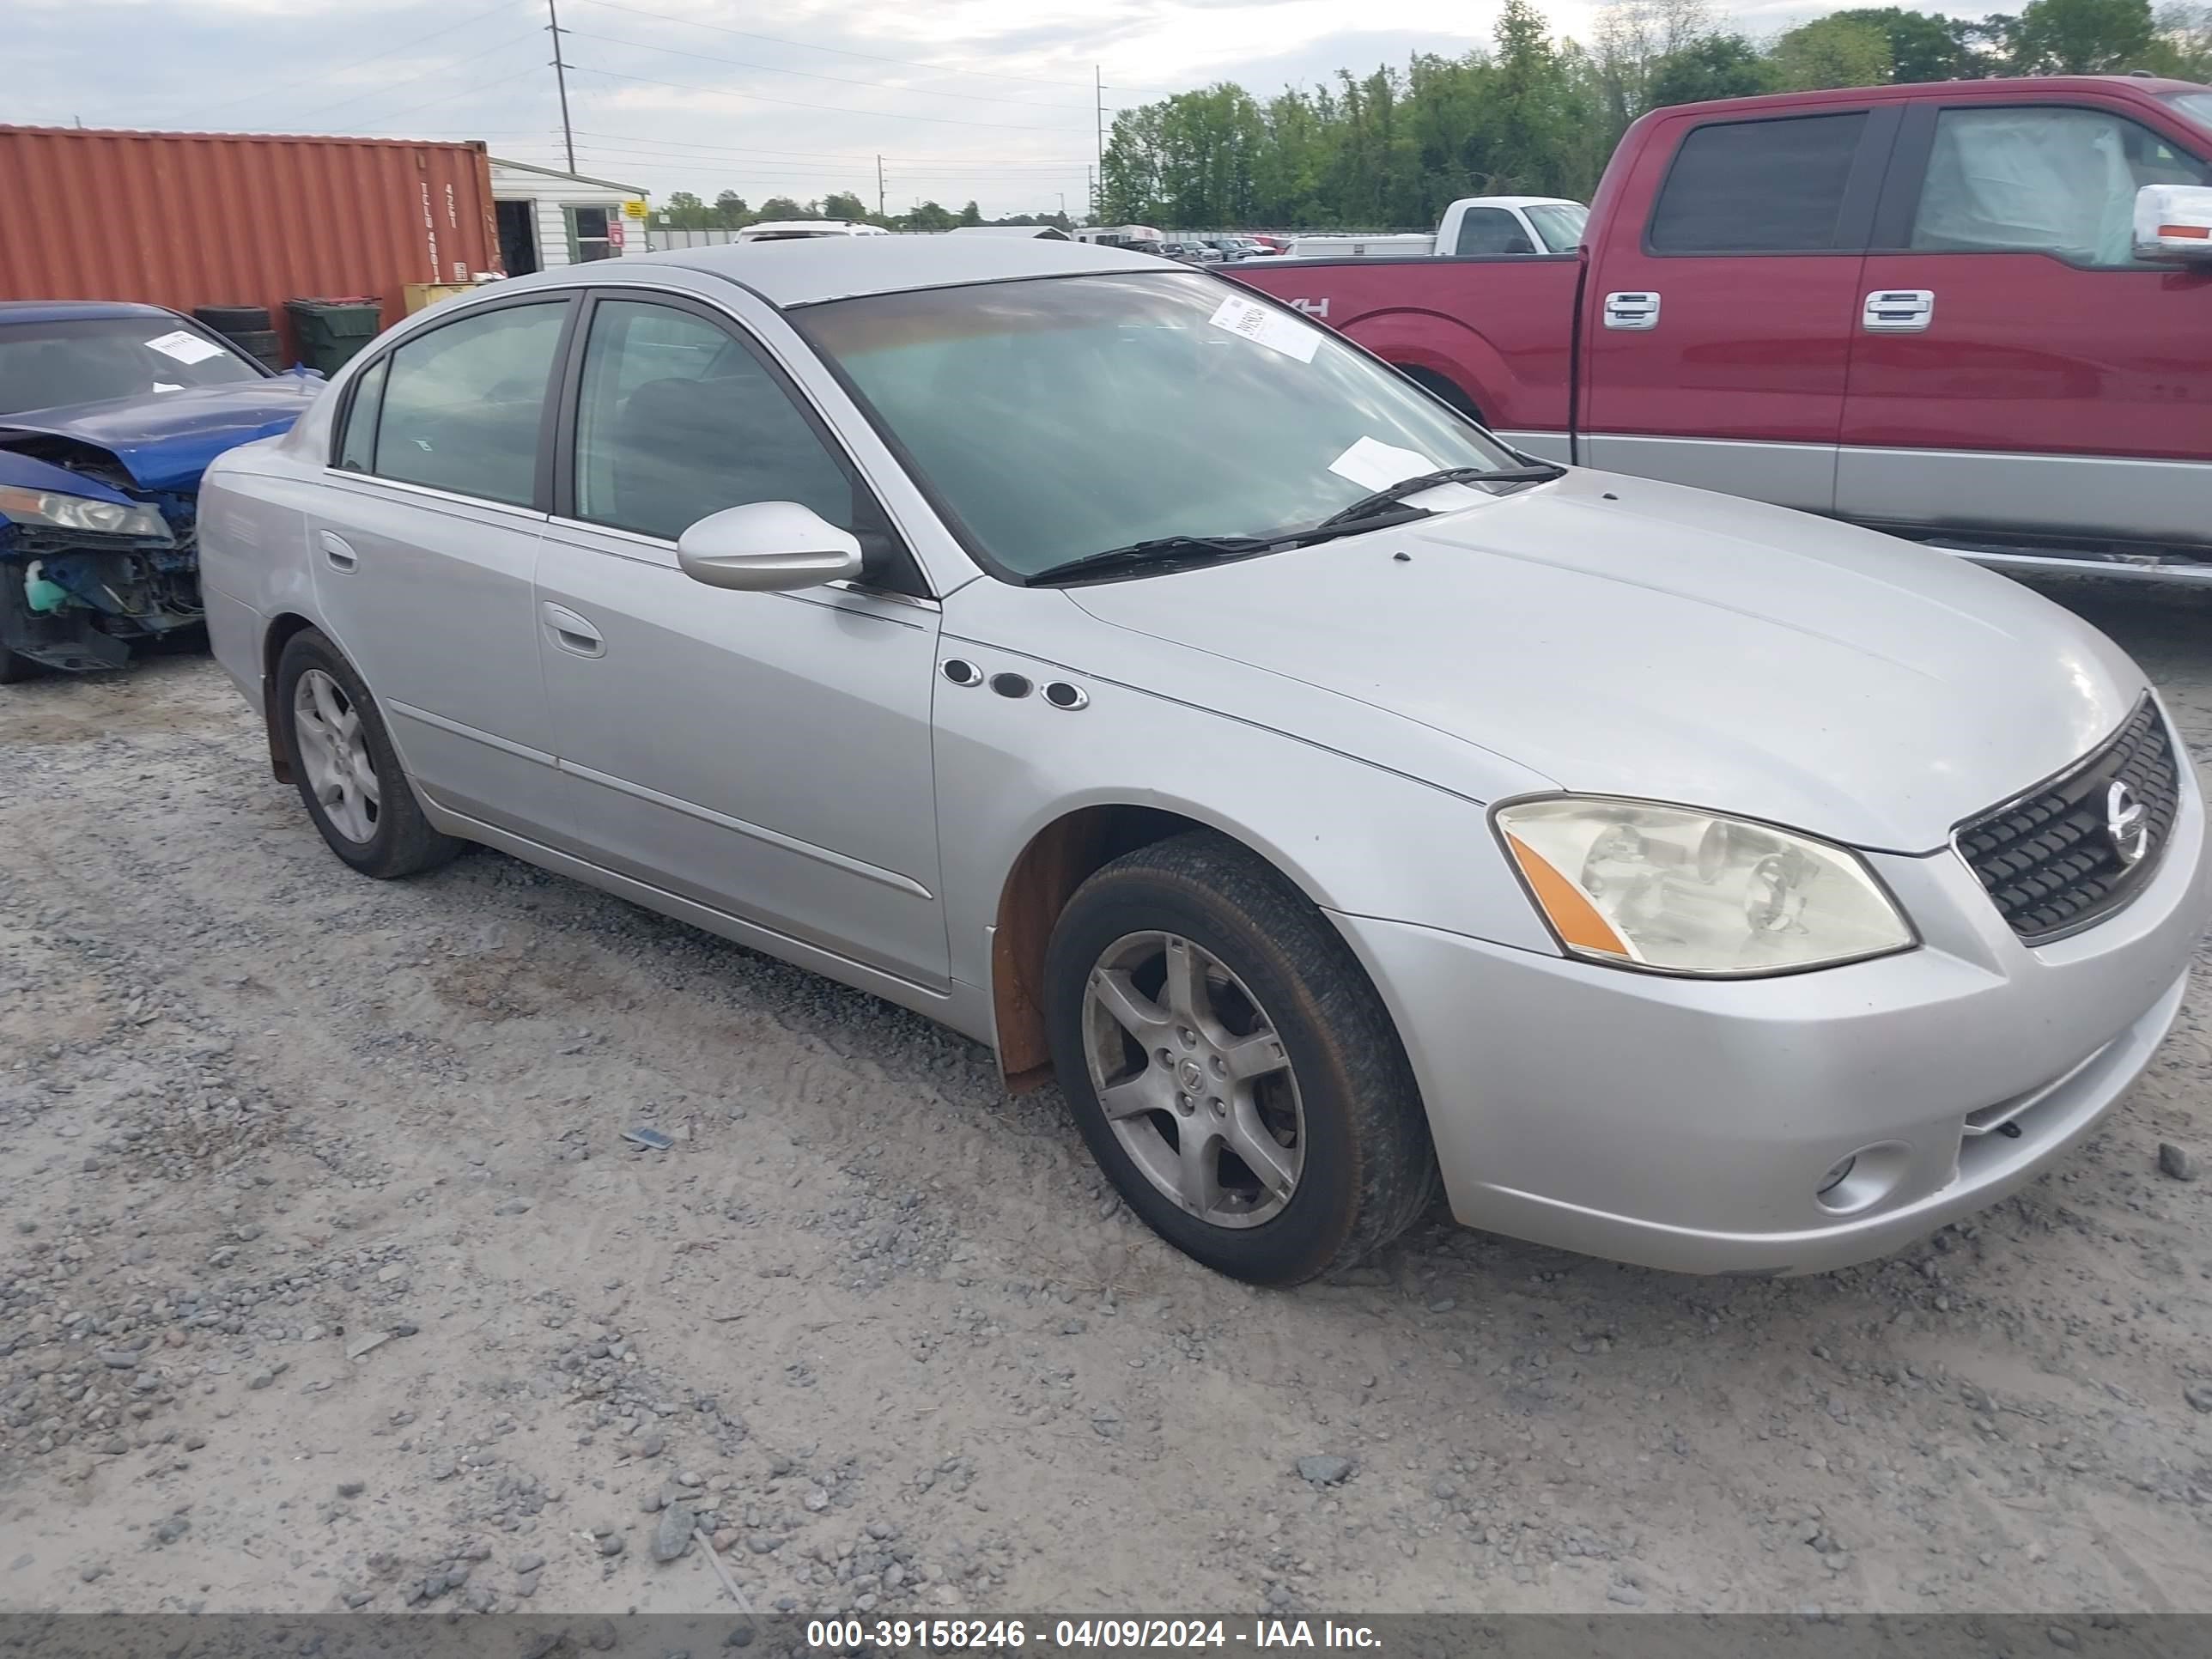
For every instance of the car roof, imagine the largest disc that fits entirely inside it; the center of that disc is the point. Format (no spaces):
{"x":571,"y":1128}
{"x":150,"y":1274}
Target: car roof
{"x":59,"y":311}
{"x":815,"y":269}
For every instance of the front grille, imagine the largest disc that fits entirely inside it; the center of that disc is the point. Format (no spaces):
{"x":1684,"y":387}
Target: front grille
{"x":2050,"y":862}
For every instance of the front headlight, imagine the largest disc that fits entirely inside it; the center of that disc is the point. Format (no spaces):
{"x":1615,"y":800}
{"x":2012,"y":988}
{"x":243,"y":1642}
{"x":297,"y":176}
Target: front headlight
{"x":1689,"y":892}
{"x":44,"y":506}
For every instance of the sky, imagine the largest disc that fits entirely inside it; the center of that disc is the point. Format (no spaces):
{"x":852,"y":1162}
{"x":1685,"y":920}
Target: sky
{"x":986,"y":100}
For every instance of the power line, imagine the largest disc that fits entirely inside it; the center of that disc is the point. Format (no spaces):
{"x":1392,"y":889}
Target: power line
{"x":747,"y":149}
{"x":793,"y":103}
{"x":842,"y":52}
{"x":374,"y":57}
{"x":832,"y":163}
{"x":842,"y":80}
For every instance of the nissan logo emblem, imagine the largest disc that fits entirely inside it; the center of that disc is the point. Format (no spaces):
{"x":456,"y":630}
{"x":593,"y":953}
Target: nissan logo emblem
{"x":2127,"y":822}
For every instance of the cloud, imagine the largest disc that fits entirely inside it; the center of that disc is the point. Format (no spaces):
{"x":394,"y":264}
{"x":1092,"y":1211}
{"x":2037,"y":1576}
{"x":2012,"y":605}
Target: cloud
{"x":987,"y":98}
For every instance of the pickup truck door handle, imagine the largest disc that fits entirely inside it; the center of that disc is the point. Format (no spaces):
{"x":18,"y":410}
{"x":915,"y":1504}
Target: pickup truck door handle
{"x":1899,"y":310}
{"x":1637,"y":310}
{"x":571,"y":632}
{"x":335,"y":550}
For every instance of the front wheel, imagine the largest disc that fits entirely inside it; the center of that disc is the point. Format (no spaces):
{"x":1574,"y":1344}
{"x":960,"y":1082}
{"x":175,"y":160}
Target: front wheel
{"x":348,"y":772}
{"x":1231,"y":1066}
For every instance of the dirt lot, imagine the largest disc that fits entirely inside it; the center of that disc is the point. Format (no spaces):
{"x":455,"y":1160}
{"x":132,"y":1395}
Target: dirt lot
{"x":329,"y":1283}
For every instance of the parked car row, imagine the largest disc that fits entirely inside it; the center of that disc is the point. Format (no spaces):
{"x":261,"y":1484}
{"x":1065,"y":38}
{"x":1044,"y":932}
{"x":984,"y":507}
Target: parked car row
{"x":1339,"y":801}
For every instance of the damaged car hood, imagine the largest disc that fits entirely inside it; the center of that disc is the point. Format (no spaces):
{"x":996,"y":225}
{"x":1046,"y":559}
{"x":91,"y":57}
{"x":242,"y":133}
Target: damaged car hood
{"x":1627,"y":637}
{"x":165,"y":442}
{"x":28,"y":472}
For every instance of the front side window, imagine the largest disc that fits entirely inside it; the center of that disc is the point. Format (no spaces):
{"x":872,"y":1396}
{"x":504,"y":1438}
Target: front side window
{"x":463,"y":403}
{"x":1061,"y":416}
{"x":2197,"y":106}
{"x":90,"y":359}
{"x":1560,"y":224}
{"x":1492,"y":230}
{"x":1771,"y":186}
{"x":2047,"y":179}
{"x":677,"y":419}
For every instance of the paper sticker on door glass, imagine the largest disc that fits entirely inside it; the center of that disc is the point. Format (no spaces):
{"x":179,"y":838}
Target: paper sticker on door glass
{"x":185,"y":346}
{"x":1264,"y":325}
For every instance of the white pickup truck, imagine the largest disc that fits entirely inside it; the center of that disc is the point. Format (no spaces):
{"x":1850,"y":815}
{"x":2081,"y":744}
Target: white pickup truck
{"x":1471,"y":225}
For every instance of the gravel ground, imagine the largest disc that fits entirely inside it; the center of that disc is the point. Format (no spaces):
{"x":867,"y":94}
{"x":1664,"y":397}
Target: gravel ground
{"x":329,"y":1283}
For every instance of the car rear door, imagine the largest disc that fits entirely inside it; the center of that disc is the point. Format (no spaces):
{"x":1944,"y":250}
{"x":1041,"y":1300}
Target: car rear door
{"x":764,"y":754}
{"x":1718,"y":325}
{"x":2015,"y":367}
{"x":423,"y":541}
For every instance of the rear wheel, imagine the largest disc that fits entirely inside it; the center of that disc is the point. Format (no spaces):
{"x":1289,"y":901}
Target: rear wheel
{"x":1231,"y":1066}
{"x":348,"y":773}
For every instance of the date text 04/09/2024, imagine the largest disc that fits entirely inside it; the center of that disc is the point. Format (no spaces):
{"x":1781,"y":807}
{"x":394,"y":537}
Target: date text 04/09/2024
{"x":1013,"y":1635}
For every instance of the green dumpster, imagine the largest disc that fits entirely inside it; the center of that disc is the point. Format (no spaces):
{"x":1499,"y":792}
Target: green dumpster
{"x":329,"y":332}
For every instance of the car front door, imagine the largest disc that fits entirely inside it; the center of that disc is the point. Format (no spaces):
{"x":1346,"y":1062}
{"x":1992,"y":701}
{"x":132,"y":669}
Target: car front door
{"x":2017,"y":367}
{"x":764,"y":754}
{"x":423,"y":539}
{"x":1717,"y":331}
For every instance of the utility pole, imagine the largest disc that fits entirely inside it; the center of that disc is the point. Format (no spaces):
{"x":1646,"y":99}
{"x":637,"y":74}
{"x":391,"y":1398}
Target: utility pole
{"x":880,"y":214}
{"x":1098,"y":133}
{"x":561,"y":80}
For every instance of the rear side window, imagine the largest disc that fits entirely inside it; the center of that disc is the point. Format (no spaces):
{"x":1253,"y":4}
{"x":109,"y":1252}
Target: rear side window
{"x":1492,"y":230}
{"x":462,"y":404}
{"x":1758,"y":186}
{"x":357,"y":451}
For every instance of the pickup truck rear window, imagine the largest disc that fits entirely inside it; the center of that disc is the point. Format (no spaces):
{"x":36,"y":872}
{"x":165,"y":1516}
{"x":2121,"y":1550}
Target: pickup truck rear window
{"x":1773,"y":186}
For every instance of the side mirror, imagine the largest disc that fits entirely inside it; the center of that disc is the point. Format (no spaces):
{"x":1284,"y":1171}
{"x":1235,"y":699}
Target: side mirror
{"x":2173,"y":224}
{"x":764,"y":546}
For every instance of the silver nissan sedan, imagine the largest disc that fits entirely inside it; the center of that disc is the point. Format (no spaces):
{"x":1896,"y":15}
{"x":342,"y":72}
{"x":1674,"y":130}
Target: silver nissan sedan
{"x":1140,"y":679}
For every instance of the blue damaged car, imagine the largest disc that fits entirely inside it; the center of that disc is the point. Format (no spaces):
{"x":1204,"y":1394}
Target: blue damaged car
{"x":109,"y":413}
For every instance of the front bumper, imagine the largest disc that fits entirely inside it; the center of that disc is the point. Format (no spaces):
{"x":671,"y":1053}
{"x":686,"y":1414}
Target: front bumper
{"x":1688,"y":1124}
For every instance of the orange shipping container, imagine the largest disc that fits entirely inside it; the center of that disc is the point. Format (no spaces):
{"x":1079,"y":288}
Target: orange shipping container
{"x":185,"y":219}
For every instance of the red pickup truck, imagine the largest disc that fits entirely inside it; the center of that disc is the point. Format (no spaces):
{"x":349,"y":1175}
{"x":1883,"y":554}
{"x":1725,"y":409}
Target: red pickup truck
{"x":1976,"y":313}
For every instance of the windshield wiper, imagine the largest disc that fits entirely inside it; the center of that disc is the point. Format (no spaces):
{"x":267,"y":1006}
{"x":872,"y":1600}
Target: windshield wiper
{"x":1366,"y":506}
{"x":1159,"y":550}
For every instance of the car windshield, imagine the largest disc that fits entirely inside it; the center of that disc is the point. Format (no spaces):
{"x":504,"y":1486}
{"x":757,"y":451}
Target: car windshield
{"x":1560,"y":224}
{"x":1063,"y":416}
{"x":2197,"y":106}
{"x":88,"y":360}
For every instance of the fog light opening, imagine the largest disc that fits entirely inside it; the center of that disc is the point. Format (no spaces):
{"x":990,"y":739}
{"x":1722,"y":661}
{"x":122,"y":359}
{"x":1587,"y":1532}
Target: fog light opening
{"x":1862,"y":1179}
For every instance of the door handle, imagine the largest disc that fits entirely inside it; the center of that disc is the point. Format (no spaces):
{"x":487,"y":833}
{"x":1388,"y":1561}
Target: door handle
{"x":571,"y":632}
{"x":1900,"y":311}
{"x":1639,"y":310}
{"x":341,"y":556}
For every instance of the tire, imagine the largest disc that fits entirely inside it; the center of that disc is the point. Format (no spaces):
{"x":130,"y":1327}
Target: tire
{"x":230,"y":319}
{"x":1277,"y":976}
{"x":14,"y":669}
{"x":398,"y":840}
{"x":1443,"y":390}
{"x":262,"y":343}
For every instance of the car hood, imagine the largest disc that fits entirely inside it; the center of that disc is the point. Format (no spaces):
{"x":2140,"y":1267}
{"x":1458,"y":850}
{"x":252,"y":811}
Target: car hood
{"x":166,"y":441}
{"x":1626,"y":637}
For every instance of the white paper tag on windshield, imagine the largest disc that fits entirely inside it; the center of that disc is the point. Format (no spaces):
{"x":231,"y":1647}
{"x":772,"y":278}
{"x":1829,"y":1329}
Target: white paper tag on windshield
{"x":167,"y":385}
{"x":1264,"y":325}
{"x":1373,"y":466}
{"x":185,"y":346}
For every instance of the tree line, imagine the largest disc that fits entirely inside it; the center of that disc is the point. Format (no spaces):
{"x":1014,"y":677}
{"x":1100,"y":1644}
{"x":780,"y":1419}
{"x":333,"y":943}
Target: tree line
{"x":686,"y":210}
{"x":1537,"y":115}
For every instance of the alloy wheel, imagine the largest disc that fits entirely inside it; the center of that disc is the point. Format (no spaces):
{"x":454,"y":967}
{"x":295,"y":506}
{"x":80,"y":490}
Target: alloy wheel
{"x":1194,"y":1079}
{"x":334,"y":749}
